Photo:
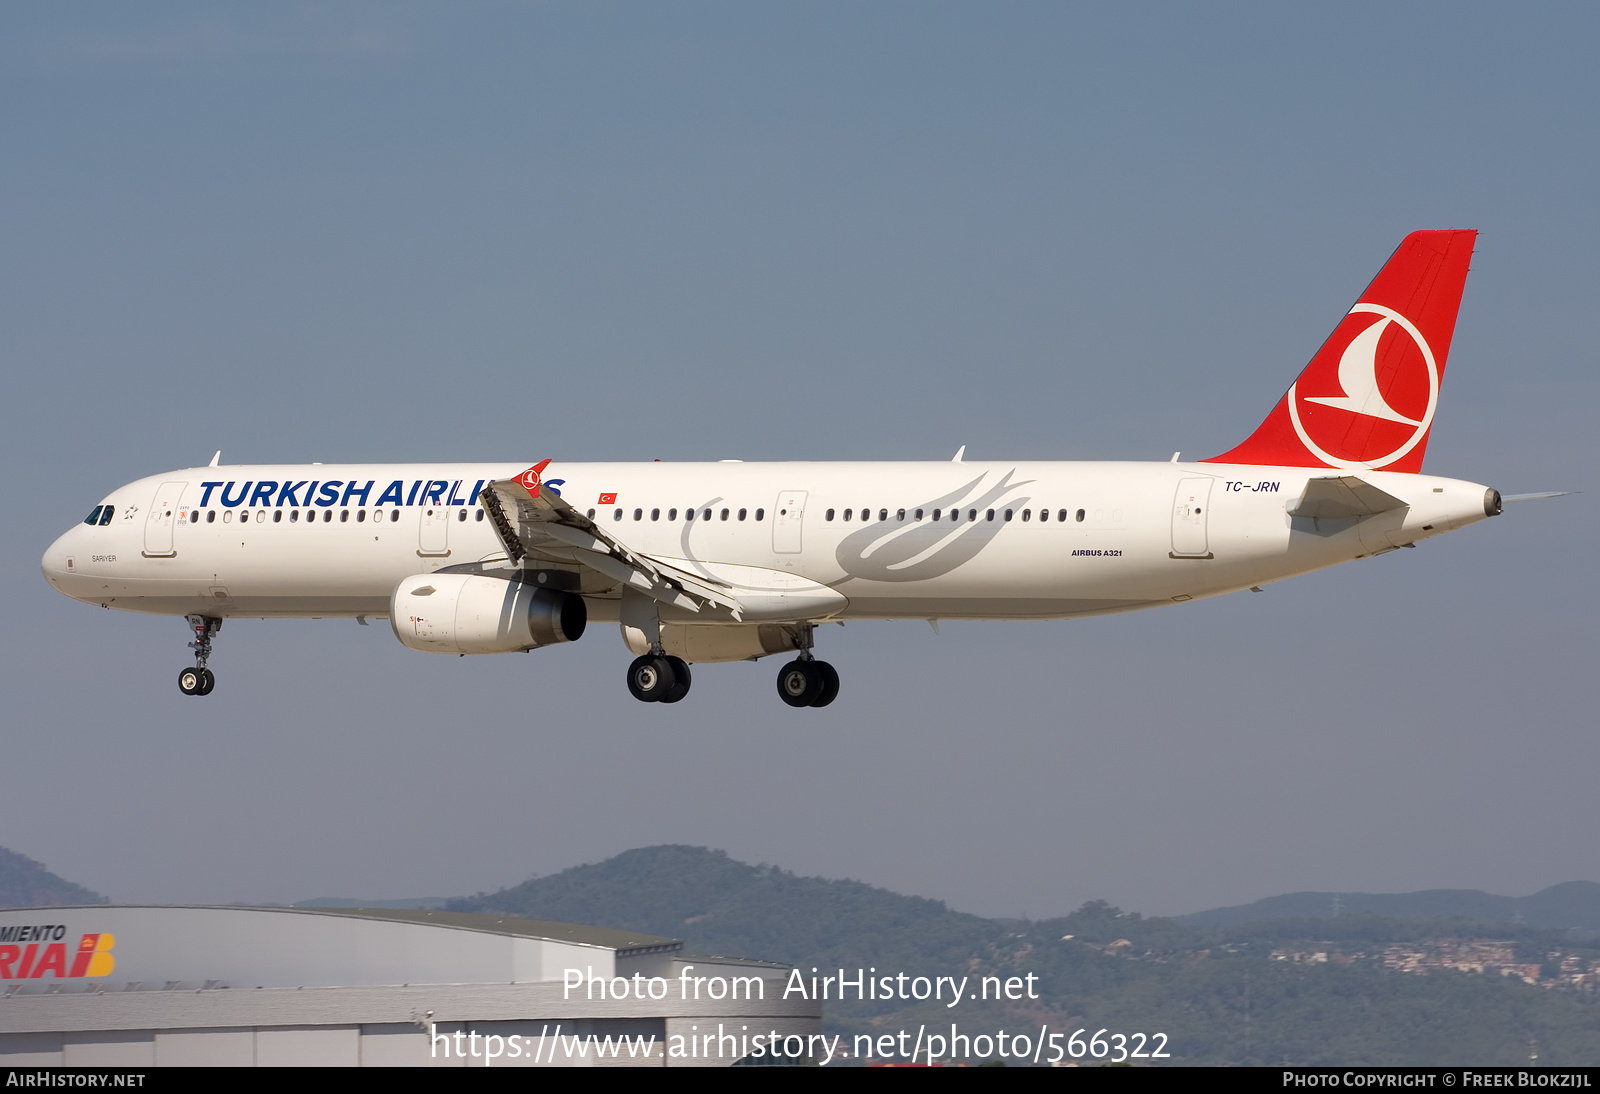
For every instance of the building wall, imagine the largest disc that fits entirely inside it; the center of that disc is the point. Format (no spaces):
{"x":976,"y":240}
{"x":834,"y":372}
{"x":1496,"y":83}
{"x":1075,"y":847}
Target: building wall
{"x":271,"y":948}
{"x":402,"y":1026}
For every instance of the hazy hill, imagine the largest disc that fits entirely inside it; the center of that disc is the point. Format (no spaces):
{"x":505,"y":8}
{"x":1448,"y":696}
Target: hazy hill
{"x":1572,"y":904}
{"x":1305,"y":990}
{"x":25,"y":883}
{"x":720,"y":906}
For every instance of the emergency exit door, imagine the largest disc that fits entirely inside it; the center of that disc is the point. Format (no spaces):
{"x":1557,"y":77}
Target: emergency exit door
{"x":787,"y":517}
{"x":159,"y":521}
{"x":1191,"y":507}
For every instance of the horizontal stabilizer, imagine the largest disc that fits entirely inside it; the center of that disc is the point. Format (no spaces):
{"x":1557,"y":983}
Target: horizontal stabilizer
{"x":1342,"y":497}
{"x":1537,"y":497}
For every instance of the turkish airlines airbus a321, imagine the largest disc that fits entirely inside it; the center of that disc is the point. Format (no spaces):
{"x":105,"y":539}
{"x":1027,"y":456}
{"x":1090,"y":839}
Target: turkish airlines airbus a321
{"x":734,"y":561}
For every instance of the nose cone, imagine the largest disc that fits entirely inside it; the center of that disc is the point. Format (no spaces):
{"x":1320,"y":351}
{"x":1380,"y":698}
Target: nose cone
{"x":60,"y":563}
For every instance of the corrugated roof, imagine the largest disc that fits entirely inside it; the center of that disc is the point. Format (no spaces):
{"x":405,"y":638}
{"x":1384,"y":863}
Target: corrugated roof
{"x":624,"y":942}
{"x":607,"y":937}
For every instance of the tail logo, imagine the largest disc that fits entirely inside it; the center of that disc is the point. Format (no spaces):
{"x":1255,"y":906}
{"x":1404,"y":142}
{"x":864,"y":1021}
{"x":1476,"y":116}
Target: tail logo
{"x":1380,"y":399}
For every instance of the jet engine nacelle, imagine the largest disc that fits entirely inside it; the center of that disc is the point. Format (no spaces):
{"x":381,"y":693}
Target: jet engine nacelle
{"x":471,"y":613}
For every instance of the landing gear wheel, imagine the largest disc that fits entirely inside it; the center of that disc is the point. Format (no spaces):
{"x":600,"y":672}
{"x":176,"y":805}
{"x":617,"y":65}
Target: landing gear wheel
{"x":650,"y":678}
{"x":198,"y":680}
{"x":830,"y":684}
{"x":800,"y":683}
{"x":681,"y":680}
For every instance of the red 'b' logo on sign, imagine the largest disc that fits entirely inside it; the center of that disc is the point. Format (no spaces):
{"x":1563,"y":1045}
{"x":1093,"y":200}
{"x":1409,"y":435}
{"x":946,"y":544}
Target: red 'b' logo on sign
{"x":1369,"y":396}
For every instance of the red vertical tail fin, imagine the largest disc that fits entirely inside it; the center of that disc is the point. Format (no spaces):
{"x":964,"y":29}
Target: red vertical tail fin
{"x":1368,"y":397}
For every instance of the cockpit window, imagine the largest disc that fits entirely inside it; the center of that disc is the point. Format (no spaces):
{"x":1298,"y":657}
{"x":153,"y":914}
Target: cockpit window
{"x":94,"y":515}
{"x":105,"y":517}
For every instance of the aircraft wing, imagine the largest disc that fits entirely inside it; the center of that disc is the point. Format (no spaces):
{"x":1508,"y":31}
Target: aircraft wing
{"x":1339,"y":497}
{"x":537,"y":526}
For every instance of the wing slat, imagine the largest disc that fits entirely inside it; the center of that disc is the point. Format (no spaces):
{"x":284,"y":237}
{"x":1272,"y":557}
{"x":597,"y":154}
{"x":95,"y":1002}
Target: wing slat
{"x":535,"y":523}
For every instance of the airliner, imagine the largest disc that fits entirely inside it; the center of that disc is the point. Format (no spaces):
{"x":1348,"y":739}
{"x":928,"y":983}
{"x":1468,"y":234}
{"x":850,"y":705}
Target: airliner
{"x":732,"y":561}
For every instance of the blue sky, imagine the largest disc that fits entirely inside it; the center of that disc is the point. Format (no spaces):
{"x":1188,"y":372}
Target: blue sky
{"x":786,"y":231}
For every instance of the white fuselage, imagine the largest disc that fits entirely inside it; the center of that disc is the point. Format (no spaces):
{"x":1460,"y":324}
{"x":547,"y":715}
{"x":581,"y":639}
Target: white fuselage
{"x":334,"y":540}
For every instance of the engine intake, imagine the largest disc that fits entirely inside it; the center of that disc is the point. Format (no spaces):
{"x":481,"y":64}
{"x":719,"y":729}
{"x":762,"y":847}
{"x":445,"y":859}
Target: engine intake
{"x":471,"y":613}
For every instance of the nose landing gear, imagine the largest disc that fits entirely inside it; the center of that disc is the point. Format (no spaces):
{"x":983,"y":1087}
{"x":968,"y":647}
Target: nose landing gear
{"x":199,"y":680}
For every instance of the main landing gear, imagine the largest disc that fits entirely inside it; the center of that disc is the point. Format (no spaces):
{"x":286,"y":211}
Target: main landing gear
{"x":805,"y":681}
{"x":659,"y":678}
{"x":199,"y":680}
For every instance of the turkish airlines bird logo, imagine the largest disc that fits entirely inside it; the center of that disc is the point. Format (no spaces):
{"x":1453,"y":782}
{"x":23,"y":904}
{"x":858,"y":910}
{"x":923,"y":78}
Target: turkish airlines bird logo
{"x":530,"y":478}
{"x":1376,"y":402}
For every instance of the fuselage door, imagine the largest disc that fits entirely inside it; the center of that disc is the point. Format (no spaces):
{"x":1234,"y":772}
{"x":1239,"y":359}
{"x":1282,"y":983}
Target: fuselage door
{"x":159,"y":521}
{"x":1191,"y":507}
{"x":434,"y":537}
{"x":787,"y":515}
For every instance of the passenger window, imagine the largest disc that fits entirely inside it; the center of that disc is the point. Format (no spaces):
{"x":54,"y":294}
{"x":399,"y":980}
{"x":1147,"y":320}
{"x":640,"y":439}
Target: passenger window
{"x":480,"y":514}
{"x":277,"y":516}
{"x":724,"y":514}
{"x":883,"y":514}
{"x":461,"y":516}
{"x":655,"y":514}
{"x":936,"y":514}
{"x":617,"y":515}
{"x":94,"y":515}
{"x":919,"y":514}
{"x":244,"y":516}
{"x":706,"y":515}
{"x":991,"y":514}
{"x":1027,"y":514}
{"x":1062,"y":516}
{"x":211,"y":516}
{"x":394,"y":515}
{"x":344,"y":515}
{"x":900,"y":514}
{"x":1008,"y":514}
{"x":294,"y":516}
{"x":672,"y":514}
{"x":638,"y":514}
{"x":828,"y":516}
{"x":688,"y":514}
{"x":760,"y":513}
{"x":847,"y":513}
{"x":743,"y":513}
{"x":1080,"y":516}
{"x":327,"y":516}
{"x":1044,"y":515}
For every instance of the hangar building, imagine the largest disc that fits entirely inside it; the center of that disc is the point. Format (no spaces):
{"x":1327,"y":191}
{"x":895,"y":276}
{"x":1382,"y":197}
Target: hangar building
{"x":108,"y":986}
